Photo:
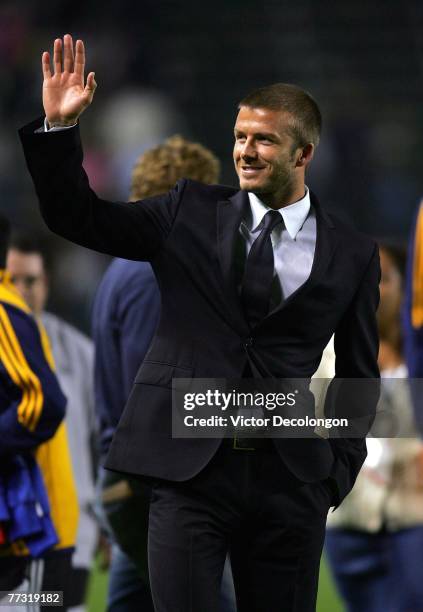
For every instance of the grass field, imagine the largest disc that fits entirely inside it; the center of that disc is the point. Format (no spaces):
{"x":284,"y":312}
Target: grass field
{"x":328,"y":600}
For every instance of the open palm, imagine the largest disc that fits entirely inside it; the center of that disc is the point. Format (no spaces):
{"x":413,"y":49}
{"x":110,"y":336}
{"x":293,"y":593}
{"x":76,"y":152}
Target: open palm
{"x":65,"y":96}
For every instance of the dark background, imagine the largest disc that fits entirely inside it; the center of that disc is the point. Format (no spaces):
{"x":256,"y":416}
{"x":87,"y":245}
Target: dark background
{"x":167,"y":67}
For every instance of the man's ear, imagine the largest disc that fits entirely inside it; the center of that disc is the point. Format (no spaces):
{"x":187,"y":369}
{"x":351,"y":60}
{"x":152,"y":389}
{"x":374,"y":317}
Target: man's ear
{"x":305,"y":155}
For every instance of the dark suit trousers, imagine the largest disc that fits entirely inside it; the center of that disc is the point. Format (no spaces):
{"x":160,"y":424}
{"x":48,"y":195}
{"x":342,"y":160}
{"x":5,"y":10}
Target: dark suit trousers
{"x":246,"y":502}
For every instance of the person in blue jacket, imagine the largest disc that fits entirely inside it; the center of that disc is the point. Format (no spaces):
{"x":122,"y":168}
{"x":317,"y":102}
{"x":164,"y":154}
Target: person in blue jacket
{"x":32,"y":407}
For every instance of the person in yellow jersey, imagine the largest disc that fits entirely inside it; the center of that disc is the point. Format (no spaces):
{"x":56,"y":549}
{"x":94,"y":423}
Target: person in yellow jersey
{"x":38,"y":505}
{"x":73,"y":352}
{"x":412,"y":319}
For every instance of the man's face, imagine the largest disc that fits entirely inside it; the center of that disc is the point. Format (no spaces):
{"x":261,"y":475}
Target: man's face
{"x":28,"y":275}
{"x":264,"y":154}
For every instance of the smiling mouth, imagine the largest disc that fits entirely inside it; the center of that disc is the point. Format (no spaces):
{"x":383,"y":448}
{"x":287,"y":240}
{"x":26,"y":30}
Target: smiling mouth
{"x":251,"y":170}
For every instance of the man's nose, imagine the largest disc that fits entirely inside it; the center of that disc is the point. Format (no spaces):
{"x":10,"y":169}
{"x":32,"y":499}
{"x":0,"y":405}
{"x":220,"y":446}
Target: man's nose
{"x":248,"y":150}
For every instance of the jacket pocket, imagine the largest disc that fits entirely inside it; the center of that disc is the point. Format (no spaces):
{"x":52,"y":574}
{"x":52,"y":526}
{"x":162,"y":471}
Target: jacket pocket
{"x":161,"y":374}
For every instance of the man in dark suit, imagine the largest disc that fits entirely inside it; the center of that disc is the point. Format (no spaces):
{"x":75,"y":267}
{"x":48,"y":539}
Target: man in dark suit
{"x":253,"y":282}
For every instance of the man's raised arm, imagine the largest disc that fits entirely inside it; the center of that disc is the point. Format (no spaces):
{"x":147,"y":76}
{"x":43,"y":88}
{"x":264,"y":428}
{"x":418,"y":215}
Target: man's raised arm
{"x":69,"y":206}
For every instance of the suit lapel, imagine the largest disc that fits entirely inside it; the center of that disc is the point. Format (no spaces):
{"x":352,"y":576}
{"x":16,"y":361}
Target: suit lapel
{"x":229,"y":216}
{"x":326,"y":241}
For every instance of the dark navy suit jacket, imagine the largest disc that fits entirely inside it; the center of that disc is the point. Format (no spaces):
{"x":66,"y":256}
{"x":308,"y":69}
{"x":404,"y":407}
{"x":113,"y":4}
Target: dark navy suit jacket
{"x":189,"y":236}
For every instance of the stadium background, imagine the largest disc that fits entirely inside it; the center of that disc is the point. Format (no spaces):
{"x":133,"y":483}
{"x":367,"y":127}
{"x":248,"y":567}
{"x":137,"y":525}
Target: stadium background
{"x":167,"y":67}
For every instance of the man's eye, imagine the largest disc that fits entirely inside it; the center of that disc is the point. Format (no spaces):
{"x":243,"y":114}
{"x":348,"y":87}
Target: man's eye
{"x":240,"y":138}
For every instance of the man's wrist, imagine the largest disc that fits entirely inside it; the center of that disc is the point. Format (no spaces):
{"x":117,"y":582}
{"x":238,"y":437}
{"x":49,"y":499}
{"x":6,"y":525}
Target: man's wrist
{"x":61,"y":124}
{"x":57,"y":126}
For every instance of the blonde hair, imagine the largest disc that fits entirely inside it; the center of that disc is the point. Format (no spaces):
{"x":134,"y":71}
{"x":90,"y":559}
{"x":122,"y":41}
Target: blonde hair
{"x":157,"y":170}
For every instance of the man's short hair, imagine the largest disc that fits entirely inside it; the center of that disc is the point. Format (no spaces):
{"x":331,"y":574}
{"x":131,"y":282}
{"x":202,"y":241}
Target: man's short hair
{"x":157,"y":170}
{"x":4,"y":239}
{"x":306,"y":124}
{"x":29,"y":243}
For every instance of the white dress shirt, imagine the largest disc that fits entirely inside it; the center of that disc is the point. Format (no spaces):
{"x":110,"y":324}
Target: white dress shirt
{"x":293,"y":241}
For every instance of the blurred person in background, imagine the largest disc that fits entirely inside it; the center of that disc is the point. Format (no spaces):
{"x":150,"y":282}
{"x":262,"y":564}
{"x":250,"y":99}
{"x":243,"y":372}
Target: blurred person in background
{"x":125,"y":316}
{"x":38,"y":505}
{"x":73,"y":354}
{"x":374,"y":541}
{"x":413,"y":315}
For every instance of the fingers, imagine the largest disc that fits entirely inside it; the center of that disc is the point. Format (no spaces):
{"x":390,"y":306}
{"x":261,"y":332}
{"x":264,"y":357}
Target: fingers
{"x":90,"y":88}
{"x":79,"y":58}
{"x":45,"y":62}
{"x":68,"y":53}
{"x":91,"y":83}
{"x":65,"y":52}
{"x":57,"y":56}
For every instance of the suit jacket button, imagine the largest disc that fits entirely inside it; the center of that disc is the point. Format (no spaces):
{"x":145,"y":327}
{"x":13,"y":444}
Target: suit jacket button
{"x":248,"y":342}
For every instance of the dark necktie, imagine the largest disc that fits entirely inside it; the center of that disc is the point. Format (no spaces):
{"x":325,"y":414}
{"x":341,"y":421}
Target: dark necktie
{"x":259,"y":268}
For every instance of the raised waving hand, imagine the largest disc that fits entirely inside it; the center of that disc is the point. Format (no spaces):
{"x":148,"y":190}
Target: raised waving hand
{"x":65,"y":93}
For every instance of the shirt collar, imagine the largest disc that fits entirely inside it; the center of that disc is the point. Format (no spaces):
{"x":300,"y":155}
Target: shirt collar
{"x":293,"y":215}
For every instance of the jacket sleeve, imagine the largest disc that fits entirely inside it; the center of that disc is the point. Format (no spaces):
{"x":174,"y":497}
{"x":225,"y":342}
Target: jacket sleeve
{"x":125,"y":315}
{"x":33,"y":404}
{"x":138,"y":316}
{"x":354,"y":392}
{"x":70,"y":208}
